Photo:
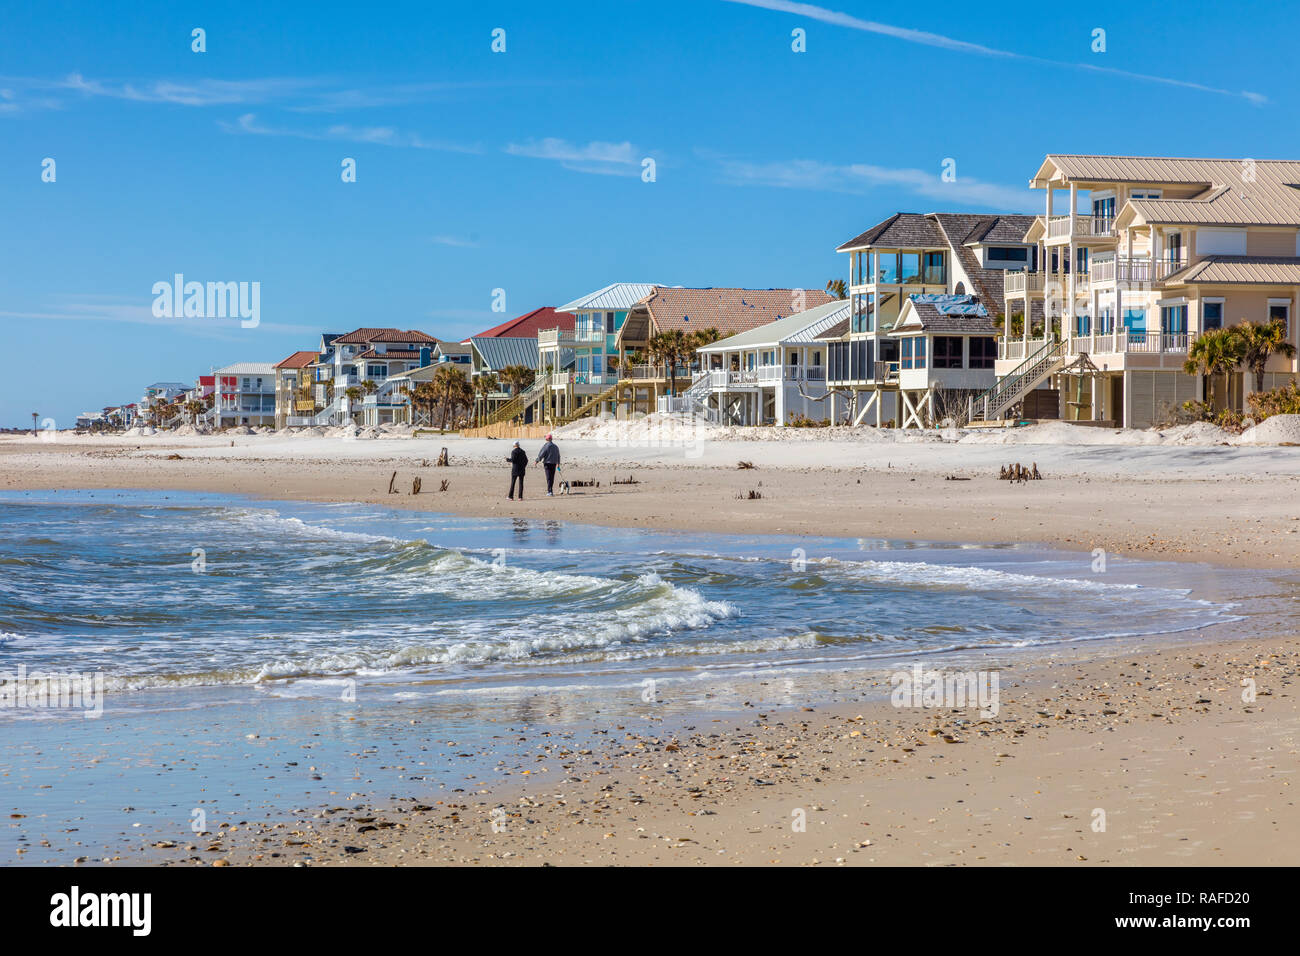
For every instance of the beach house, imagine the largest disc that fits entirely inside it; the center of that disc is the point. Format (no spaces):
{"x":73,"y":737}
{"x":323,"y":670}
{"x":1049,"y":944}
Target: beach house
{"x":1140,"y":256}
{"x":599,"y":316}
{"x":353,"y":368}
{"x":912,"y":254}
{"x":771,"y":374}
{"x":658,"y":341}
{"x":947,"y":347}
{"x":245,"y":395}
{"x":294,"y":404}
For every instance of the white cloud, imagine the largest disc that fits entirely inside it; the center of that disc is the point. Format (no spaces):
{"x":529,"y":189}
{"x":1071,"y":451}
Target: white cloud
{"x":611,"y":159}
{"x":859,"y":178}
{"x":941,"y":41}
{"x":343,"y":132}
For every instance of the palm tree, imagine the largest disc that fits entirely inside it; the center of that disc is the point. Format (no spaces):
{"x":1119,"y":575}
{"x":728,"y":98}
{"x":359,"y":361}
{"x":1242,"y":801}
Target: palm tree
{"x":353,"y":393}
{"x":423,"y":397}
{"x":194,"y":408}
{"x":837,"y":289}
{"x":484,"y":384}
{"x":370,"y":386}
{"x":35,"y":415}
{"x":1259,"y":342}
{"x":700,"y":338}
{"x":1214,"y":353}
{"x":452,"y":388}
{"x":670,"y":347}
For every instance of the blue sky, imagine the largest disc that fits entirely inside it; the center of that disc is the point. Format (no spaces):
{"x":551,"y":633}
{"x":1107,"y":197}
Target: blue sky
{"x":522,"y":170}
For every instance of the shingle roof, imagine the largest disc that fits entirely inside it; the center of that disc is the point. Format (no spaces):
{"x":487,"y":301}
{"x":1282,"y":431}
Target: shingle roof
{"x":365,"y":336}
{"x":389,"y":353}
{"x":530,"y":323}
{"x":298,"y":360}
{"x":1250,"y":270}
{"x":452,"y":348}
{"x":903,"y":229}
{"x":956,"y":227}
{"x":958,"y":314}
{"x":727,"y":310}
{"x":501,"y":351}
{"x":801,"y":327}
{"x":1011,"y":228}
{"x":616,"y":295}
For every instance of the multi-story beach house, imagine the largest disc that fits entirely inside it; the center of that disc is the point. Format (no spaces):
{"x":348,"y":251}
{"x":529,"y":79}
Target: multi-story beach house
{"x":598,"y":318}
{"x":695,"y":314}
{"x":352,"y":370}
{"x":913,"y":254}
{"x":947,"y":347}
{"x":767,"y":375}
{"x":294,"y":404}
{"x":1139,"y":257}
{"x":160,"y":396}
{"x":245,"y":395}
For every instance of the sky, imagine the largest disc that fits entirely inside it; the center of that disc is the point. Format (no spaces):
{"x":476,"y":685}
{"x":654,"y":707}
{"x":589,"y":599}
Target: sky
{"x":524,"y":170}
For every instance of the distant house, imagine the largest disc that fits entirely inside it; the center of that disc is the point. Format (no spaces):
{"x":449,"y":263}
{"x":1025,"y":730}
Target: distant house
{"x":724,"y":310}
{"x":245,"y":395}
{"x":947,"y":348}
{"x":364,"y":359}
{"x":293,"y":402}
{"x":529,"y":324}
{"x":767,"y":375}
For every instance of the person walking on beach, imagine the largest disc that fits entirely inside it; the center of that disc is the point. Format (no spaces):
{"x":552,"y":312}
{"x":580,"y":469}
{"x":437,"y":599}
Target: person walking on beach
{"x":518,"y":459}
{"x":549,"y":458}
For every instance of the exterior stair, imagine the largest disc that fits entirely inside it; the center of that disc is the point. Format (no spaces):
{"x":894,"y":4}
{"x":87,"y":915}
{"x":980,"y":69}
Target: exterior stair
{"x":1011,"y":388}
{"x":590,"y":405}
{"x":519,"y":404}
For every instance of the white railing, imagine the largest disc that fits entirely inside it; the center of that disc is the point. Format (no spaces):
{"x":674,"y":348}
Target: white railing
{"x":1080,"y":226}
{"x":1020,"y":281}
{"x":1134,"y":269}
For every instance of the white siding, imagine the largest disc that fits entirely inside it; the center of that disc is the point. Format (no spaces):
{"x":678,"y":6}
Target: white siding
{"x":1220,"y":242}
{"x":1156,"y":396}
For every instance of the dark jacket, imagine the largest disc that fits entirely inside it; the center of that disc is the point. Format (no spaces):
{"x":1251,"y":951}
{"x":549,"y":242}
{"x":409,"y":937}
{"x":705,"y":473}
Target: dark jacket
{"x":549,"y":455}
{"x":518,"y":461}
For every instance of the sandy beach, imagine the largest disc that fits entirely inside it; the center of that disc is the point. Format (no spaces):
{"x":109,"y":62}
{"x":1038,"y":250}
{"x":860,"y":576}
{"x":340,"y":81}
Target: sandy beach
{"x":1154,"y":739}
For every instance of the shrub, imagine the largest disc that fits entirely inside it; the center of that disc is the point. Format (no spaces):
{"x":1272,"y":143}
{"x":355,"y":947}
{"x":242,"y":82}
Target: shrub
{"x":1277,"y":401}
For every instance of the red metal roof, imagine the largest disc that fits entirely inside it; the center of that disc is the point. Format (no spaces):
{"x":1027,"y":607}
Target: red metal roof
{"x":529,"y":324}
{"x":298,"y":360}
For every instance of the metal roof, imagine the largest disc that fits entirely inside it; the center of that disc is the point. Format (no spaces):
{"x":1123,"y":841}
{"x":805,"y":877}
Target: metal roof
{"x":248,"y":368}
{"x":501,"y":351}
{"x":616,"y":295}
{"x":801,"y":328}
{"x":1230,"y":270}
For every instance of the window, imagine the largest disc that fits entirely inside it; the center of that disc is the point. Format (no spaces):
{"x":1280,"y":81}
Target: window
{"x":920,"y":353}
{"x":1174,"y":247}
{"x":1279,"y":310}
{"x":1082,"y":324}
{"x":1106,"y":321}
{"x":596,"y":364}
{"x":933,"y":269}
{"x":1103,"y":208}
{"x":1173,"y":319}
{"x":911,"y":268}
{"x":1081,"y":260}
{"x":983,"y":351}
{"x":861,"y":268}
{"x":1144,"y":194}
{"x":947,"y":351}
{"x":905,"y":353}
{"x":863,"y":312}
{"x":794,"y":358}
{"x":376,"y":371}
{"x":1211,"y":315}
{"x":1135,"y":321}
{"x":1007,"y":254}
{"x":609,"y":323}
{"x":887,"y":267}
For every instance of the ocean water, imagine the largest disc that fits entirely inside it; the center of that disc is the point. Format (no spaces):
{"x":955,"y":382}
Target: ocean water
{"x":262,"y":658}
{"x":175,"y":591}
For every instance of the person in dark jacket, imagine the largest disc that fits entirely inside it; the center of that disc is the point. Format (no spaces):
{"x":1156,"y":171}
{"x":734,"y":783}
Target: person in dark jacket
{"x":549,"y":458}
{"x":518,"y":465}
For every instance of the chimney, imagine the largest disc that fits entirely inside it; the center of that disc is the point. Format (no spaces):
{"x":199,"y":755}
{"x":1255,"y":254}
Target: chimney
{"x":426,"y":355}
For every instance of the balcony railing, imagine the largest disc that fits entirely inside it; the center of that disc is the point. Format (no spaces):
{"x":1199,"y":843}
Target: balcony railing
{"x":554,"y":338}
{"x":1080,"y":227}
{"x":1020,"y":282}
{"x":1134,"y":269}
{"x":767,"y":375}
{"x":1018,"y":348}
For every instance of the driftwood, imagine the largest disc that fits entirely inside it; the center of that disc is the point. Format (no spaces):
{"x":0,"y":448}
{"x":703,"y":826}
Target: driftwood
{"x":630,"y":480}
{"x":415,"y":486}
{"x":443,"y":461}
{"x":1017,"y":472}
{"x":391,"y":482}
{"x":445,"y":485}
{"x":954,"y":478}
{"x":745,"y":464}
{"x":753,"y":495}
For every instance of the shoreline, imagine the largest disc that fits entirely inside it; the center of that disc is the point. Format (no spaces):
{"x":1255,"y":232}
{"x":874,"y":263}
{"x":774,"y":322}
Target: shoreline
{"x":1155,"y":506}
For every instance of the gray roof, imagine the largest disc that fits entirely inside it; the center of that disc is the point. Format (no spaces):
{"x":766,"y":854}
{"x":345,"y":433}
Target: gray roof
{"x":248,"y":368}
{"x":801,"y":327}
{"x":908,"y":230}
{"x":445,"y":347}
{"x":956,"y":314}
{"x":616,"y":295}
{"x":501,"y":351}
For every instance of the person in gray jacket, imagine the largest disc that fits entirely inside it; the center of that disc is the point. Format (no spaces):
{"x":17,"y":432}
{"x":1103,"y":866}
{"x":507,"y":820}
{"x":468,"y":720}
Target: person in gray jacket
{"x":549,"y":458}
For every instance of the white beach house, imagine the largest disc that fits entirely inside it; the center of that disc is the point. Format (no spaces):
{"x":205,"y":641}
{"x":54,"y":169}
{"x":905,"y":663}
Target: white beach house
{"x":947,"y":346}
{"x":245,"y":395}
{"x":767,"y":375}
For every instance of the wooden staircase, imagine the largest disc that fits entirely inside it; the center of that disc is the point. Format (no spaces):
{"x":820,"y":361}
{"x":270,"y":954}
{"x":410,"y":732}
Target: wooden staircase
{"x":519,"y":404}
{"x":591,"y":404}
{"x":1011,"y":388}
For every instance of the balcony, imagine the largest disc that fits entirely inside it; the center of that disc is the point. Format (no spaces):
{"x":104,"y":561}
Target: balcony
{"x":1064,"y":228}
{"x":766,"y":375}
{"x":1126,"y":342}
{"x":1020,"y":282}
{"x":590,"y":335}
{"x":554,"y":339}
{"x":1018,"y":348}
{"x":1133,"y":270}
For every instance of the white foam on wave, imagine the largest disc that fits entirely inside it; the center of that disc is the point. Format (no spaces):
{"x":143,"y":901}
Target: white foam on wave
{"x":972,"y":578}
